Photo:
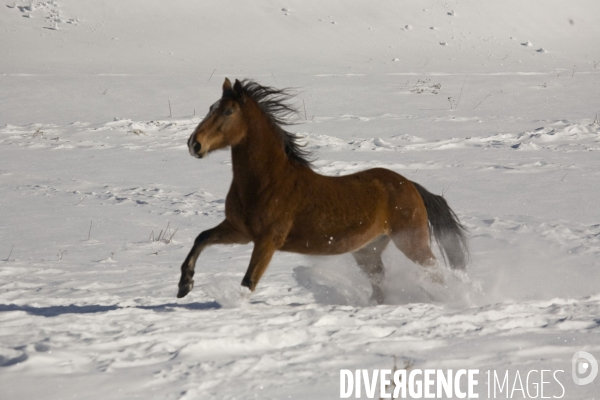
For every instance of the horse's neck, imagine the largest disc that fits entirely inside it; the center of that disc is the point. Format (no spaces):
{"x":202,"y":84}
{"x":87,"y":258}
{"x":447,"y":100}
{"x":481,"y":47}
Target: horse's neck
{"x":259,"y":156}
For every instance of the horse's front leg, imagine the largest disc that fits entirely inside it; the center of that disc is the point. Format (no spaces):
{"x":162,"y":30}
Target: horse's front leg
{"x":224,"y":233}
{"x":261,"y":256}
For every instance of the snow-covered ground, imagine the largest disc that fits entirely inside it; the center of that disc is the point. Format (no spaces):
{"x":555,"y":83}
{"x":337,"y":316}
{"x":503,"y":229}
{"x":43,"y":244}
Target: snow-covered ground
{"x":495,"y":105}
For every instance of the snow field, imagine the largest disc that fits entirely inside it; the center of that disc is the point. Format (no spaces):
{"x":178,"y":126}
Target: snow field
{"x":96,"y":216}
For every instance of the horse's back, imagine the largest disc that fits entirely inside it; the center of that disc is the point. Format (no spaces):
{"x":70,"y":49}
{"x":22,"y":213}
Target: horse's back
{"x":395,"y":187}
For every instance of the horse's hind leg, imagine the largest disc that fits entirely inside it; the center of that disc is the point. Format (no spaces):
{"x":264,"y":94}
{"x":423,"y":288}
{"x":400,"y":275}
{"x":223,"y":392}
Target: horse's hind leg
{"x":414,"y":243}
{"x":224,"y":233}
{"x":369,"y":260}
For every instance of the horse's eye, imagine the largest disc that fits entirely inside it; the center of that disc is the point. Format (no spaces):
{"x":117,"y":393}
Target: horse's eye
{"x":228,"y":111}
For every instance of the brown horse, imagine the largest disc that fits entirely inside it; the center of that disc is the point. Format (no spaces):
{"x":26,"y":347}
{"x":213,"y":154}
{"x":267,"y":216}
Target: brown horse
{"x":278,"y":202}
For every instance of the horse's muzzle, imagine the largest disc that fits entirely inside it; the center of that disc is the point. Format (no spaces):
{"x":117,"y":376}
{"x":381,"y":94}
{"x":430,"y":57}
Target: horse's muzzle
{"x":195,"y":148}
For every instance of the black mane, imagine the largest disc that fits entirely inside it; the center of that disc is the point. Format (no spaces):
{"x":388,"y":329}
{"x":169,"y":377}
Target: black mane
{"x":272,"y":102}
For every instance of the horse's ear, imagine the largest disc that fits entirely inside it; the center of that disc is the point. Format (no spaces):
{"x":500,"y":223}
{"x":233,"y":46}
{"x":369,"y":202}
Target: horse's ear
{"x":227,"y":85}
{"x":227,"y":89}
{"x":238,"y":89}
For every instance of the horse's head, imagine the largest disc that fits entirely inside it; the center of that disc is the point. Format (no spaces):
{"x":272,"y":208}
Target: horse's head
{"x":223,"y":125}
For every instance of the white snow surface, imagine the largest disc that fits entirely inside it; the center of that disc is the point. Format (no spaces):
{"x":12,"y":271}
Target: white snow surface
{"x":97,"y":100}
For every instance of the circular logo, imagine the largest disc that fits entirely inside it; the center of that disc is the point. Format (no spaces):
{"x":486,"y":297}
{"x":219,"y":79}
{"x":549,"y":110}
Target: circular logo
{"x":584,"y":363}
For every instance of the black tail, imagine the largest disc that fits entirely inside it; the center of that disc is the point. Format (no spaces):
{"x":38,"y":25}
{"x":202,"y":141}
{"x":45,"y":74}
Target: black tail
{"x":444,"y":225}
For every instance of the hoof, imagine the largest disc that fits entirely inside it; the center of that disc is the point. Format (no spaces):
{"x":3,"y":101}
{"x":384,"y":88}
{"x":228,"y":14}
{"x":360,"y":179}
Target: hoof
{"x":245,"y":293}
{"x":246,"y":282}
{"x":377,"y":297}
{"x":185,"y":289}
{"x":436,"y":277}
{"x":375,"y":301}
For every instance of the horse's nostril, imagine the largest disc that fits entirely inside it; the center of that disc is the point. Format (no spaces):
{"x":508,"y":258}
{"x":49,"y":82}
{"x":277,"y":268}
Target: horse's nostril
{"x":196,"y":146}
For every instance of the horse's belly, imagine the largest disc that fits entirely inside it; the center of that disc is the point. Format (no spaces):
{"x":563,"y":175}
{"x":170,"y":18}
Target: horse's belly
{"x":316,"y":243}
